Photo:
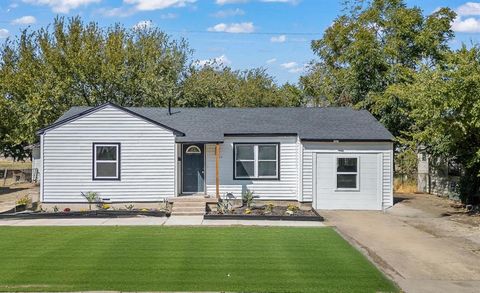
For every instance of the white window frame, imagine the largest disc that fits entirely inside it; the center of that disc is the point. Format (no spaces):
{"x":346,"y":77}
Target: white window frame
{"x":117,"y":161}
{"x":357,"y":173}
{"x":256,"y":160}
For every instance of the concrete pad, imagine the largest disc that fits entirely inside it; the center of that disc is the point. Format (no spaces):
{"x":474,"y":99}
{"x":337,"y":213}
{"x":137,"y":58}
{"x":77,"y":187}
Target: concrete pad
{"x":416,"y":260}
{"x":184,"y":221}
{"x":262,"y":223}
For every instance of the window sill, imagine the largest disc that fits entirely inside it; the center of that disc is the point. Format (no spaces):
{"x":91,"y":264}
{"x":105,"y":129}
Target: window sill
{"x":347,"y":190}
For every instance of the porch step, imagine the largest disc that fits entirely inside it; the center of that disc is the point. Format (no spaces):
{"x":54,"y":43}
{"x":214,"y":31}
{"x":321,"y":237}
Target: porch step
{"x":189,"y":206}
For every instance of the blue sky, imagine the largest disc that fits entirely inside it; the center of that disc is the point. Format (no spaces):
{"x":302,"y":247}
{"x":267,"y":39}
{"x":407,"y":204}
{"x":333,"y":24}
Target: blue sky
{"x":274,"y":34}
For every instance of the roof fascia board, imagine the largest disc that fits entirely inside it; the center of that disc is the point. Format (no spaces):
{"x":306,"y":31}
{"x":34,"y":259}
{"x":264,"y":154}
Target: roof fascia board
{"x":100,"y":107}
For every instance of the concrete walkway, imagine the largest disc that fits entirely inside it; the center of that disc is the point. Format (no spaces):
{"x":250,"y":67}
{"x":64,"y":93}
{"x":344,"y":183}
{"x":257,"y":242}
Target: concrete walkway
{"x":417,"y":261}
{"x":155,"y":221}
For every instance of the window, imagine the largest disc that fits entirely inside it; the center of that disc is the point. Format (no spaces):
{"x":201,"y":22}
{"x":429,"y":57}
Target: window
{"x":347,"y":173}
{"x":106,"y":161}
{"x":193,"y":149}
{"x":256,"y":161}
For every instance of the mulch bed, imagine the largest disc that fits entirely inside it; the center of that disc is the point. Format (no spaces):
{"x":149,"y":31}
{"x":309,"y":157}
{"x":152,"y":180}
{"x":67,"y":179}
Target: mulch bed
{"x":262,"y":213}
{"x":85,"y":214}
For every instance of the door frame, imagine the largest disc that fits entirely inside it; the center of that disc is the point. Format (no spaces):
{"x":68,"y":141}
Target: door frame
{"x":203,"y":147}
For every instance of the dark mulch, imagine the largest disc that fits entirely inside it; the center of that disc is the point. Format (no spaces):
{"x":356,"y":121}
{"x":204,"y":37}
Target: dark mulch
{"x":263,"y":211}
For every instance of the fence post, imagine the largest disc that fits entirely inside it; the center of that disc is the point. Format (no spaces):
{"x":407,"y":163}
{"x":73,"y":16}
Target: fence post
{"x":5,"y":176}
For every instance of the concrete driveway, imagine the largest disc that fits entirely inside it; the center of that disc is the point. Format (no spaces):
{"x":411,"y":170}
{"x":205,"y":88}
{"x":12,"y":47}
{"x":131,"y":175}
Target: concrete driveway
{"x":421,"y":250}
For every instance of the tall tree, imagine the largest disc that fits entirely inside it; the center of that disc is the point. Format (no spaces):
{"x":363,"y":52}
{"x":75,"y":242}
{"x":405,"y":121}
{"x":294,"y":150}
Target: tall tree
{"x":374,"y":45}
{"x":445,"y":103}
{"x":45,"y":72}
{"x":215,"y":85}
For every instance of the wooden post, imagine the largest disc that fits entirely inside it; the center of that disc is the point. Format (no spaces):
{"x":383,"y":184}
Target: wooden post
{"x":217,"y":175}
{"x":5,"y":176}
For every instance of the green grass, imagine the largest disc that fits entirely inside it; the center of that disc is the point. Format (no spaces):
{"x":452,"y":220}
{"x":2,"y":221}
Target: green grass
{"x":240,"y":259}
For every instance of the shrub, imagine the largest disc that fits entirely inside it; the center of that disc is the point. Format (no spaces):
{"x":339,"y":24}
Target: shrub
{"x":23,"y":201}
{"x":248,"y":198}
{"x":91,"y":197}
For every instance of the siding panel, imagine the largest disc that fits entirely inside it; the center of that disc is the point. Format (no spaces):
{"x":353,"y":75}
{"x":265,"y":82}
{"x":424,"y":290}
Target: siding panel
{"x":310,"y":149}
{"x":283,"y":189}
{"x":147,"y":158}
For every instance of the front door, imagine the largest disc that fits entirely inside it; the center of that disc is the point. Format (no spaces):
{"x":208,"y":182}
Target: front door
{"x":193,"y":177}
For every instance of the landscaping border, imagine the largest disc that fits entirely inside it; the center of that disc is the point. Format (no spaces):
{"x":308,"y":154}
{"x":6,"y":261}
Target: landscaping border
{"x":316,"y":218}
{"x":87,"y":214}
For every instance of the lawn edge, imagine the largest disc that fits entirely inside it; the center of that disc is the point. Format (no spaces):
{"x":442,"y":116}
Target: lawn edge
{"x":373,"y":258}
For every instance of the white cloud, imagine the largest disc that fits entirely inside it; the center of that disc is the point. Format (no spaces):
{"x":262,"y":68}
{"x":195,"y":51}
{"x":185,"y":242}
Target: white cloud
{"x":279,"y":39}
{"x":220,"y":60}
{"x":142,"y":25}
{"x":117,"y":12}
{"x":234,"y":28}
{"x":62,"y":6}
{"x":289,"y":65}
{"x":4,"y":33}
{"x":270,"y":61}
{"x":469,"y":25}
{"x":146,"y":5}
{"x":229,"y":13}
{"x":294,"y":67}
{"x":223,"y":2}
{"x":168,"y":16}
{"x":24,"y":20}
{"x":469,"y":8}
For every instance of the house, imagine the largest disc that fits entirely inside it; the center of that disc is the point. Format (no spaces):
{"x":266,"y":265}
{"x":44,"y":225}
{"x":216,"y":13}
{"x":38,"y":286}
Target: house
{"x":334,"y":158}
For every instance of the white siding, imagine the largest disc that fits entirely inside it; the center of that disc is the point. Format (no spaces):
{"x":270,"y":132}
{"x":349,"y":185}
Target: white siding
{"x":385,"y":149}
{"x":369,"y":193}
{"x":147,"y":158}
{"x":284,"y":189}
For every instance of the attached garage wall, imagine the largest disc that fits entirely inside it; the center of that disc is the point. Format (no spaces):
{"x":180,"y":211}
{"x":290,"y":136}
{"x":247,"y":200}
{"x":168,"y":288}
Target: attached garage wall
{"x":147,"y":158}
{"x":375,"y":173}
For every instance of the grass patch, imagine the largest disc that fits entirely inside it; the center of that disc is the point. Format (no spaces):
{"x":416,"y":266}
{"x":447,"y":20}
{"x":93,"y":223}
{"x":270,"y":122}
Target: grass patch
{"x":239,"y":259}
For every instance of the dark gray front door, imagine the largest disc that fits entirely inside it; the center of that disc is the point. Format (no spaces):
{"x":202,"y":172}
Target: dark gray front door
{"x":193,"y":168}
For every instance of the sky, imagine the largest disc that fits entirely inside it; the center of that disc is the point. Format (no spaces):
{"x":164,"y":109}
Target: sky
{"x":273,"y":34}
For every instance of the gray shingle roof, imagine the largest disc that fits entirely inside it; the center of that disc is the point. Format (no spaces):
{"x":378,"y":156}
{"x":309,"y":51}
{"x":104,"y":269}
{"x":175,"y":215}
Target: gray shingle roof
{"x":212,"y":124}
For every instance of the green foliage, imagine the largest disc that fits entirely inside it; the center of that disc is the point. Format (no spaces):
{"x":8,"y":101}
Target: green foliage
{"x":406,"y":162}
{"x":24,"y":200}
{"x":91,"y":197}
{"x":248,"y":198}
{"x":445,"y":105}
{"x":215,"y":85}
{"x":44,"y":73}
{"x":372,"y":46}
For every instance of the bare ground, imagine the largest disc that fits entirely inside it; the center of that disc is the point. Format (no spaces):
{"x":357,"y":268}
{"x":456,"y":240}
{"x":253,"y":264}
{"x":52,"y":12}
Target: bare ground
{"x":425,"y":243}
{"x":10,"y":194}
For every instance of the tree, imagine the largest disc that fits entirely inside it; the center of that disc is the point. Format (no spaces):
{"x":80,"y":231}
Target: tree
{"x":376,"y":44}
{"x":214,"y":85}
{"x":43,"y":73}
{"x":445,"y":103}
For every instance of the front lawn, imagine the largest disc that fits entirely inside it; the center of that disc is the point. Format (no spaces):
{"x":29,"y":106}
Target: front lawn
{"x":236,"y":259}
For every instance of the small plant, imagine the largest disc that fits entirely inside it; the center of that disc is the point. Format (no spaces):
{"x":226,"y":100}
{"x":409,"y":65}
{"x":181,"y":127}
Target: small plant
{"x":248,"y":198}
{"x":269,"y":208}
{"x":91,"y":197}
{"x":105,"y":206}
{"x":23,"y":201}
{"x":129,"y":207}
{"x":55,"y":209}
{"x":248,"y":211}
{"x":66,"y":210}
{"x":291,"y":209}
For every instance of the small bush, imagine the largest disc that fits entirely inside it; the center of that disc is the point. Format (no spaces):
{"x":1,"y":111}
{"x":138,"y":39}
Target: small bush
{"x":248,"y":198}
{"x":23,"y":201}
